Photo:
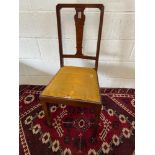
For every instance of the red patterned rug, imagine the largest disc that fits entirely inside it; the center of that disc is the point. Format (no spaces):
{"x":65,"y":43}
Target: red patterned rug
{"x":72,"y":128}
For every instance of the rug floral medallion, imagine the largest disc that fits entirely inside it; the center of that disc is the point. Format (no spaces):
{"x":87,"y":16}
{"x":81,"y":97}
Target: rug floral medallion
{"x":72,"y":128}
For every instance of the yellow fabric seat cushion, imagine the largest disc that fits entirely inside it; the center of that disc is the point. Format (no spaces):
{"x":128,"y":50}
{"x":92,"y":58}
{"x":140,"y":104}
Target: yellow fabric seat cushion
{"x":71,"y":82}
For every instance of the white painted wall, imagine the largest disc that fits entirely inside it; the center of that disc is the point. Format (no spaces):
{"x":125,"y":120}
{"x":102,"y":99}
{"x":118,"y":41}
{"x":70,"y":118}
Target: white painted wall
{"x":39,"y":56}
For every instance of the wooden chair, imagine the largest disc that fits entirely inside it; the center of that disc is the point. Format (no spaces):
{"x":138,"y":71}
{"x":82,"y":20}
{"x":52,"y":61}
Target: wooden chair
{"x":76,"y":86}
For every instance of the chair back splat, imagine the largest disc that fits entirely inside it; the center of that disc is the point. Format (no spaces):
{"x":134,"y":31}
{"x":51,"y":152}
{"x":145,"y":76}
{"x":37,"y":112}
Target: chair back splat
{"x":79,"y":25}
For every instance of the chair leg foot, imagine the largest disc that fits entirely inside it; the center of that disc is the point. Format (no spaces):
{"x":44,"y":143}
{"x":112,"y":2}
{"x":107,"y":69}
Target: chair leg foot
{"x":49,"y":123}
{"x":47,"y":113}
{"x":97,"y":119}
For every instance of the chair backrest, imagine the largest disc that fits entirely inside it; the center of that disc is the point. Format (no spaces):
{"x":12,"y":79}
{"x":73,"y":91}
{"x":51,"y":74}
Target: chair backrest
{"x":79,"y":24}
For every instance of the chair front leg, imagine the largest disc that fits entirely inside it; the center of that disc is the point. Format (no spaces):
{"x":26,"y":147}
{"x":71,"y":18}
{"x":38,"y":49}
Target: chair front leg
{"x":47,"y":113}
{"x":97,"y":119}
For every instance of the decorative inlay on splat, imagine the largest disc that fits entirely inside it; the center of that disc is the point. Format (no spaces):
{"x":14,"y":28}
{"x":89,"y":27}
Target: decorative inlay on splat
{"x":79,"y":24}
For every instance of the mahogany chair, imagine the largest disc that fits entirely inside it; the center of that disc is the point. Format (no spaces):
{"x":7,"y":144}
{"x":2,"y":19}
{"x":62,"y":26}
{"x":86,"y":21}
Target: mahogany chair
{"x":76,"y":86}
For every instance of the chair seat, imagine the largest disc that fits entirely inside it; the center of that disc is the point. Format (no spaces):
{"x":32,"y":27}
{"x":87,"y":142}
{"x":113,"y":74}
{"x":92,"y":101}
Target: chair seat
{"x":77,"y":83}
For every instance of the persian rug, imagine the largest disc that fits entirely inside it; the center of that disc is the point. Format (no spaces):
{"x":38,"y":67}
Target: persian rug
{"x":72,"y":128}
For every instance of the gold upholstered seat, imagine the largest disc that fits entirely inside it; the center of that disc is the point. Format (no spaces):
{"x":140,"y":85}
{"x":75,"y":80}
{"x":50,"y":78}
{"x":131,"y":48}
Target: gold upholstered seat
{"x":70,"y":82}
